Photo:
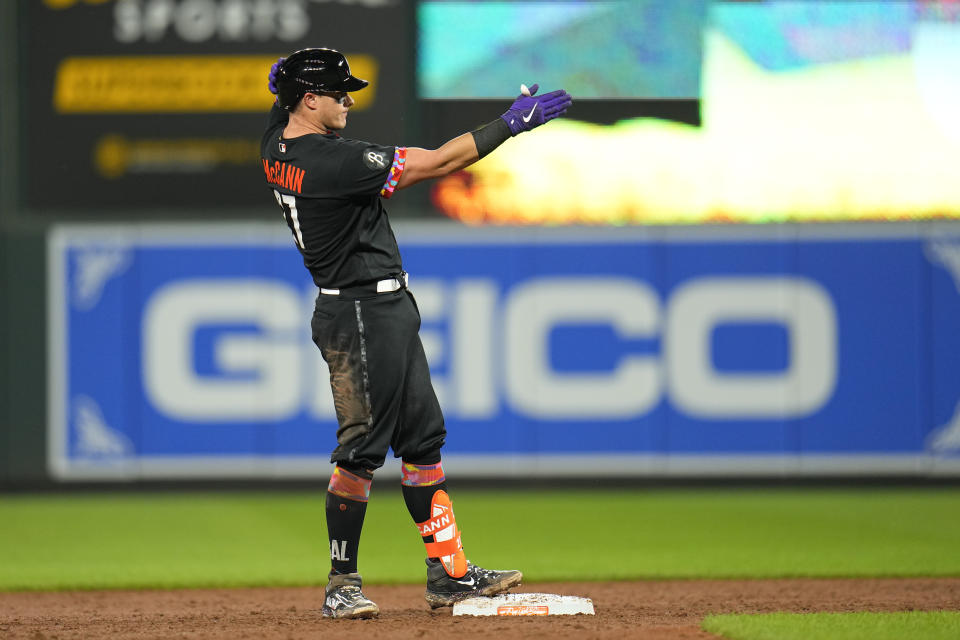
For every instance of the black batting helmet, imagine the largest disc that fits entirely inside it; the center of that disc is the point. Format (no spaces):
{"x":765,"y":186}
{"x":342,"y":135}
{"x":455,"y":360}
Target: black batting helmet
{"x":313,"y":70}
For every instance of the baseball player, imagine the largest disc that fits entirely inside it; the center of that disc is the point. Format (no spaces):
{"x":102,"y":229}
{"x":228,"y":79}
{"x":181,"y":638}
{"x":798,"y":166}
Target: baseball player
{"x":365,"y":322}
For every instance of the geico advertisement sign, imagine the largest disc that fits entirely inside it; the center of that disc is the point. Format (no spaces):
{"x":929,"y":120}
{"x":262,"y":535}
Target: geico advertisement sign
{"x":497,"y":348}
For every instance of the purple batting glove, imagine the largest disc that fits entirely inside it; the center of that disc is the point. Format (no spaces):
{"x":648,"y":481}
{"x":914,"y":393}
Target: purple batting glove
{"x":272,"y":78}
{"x":528,"y":112}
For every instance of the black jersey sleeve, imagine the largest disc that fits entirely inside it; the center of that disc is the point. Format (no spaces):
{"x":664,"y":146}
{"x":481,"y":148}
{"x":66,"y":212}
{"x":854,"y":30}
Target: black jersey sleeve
{"x":369,"y":169}
{"x":277,"y":117}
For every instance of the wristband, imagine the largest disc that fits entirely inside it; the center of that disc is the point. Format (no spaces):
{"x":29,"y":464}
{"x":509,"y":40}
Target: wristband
{"x":490,"y":136}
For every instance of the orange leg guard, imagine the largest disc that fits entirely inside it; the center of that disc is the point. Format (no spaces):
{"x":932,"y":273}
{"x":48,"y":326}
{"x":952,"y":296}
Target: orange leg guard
{"x":446,"y":543}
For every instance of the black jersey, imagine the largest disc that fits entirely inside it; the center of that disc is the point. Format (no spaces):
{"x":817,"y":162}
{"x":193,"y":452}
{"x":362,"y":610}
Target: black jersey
{"x":330,"y":191}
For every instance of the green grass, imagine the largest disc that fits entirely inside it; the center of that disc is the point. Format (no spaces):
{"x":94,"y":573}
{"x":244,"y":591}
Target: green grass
{"x":234,"y":539}
{"x":916,"y":625}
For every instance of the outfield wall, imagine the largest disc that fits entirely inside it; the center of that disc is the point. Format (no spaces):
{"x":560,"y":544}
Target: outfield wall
{"x":183,"y":351}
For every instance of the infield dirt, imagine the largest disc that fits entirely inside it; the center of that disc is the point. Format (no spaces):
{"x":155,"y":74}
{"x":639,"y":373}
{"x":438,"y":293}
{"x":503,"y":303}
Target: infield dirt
{"x":661,"y":610}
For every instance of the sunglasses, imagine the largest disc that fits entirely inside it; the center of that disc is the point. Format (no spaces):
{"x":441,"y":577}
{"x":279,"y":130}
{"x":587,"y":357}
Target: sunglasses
{"x":339,"y":96}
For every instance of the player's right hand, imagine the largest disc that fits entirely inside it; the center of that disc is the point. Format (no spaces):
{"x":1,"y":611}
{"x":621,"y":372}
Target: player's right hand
{"x":272,"y":77}
{"x":529,"y":111}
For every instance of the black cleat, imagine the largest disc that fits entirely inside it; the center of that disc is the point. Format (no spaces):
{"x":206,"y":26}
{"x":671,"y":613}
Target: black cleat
{"x":346,"y":600}
{"x":443,"y":591}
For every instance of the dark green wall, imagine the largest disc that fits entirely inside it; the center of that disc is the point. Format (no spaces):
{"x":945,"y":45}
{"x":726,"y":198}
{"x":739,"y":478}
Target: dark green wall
{"x":23,"y":356}
{"x":5,"y":447}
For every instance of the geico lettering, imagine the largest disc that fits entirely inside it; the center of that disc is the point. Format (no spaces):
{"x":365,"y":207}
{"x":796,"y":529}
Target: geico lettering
{"x":203,"y":20}
{"x":802,"y":306}
{"x":486,"y":348}
{"x":260,"y":378}
{"x":534,"y":308}
{"x":685,"y":369}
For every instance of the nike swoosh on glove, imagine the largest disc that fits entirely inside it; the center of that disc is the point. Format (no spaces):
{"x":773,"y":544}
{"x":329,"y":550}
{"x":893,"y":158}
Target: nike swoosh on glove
{"x":272,"y":78}
{"x":528,"y":111}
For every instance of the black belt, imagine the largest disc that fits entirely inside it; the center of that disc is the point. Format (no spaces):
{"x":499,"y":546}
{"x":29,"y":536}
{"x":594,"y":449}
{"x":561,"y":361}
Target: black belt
{"x":387,"y":285}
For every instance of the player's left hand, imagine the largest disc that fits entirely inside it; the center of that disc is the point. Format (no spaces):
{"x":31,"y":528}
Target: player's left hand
{"x":529,"y":111}
{"x":272,"y":77}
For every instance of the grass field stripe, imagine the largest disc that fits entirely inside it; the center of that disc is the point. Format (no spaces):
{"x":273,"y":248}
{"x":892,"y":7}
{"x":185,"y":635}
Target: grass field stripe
{"x":918,"y":625}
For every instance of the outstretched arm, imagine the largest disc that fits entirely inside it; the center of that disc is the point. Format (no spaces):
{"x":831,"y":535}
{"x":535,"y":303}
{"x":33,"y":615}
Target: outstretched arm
{"x":424,"y":164}
{"x":527,"y":112}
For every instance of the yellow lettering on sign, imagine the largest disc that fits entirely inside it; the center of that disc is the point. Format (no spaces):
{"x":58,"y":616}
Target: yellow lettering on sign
{"x":179,"y":84}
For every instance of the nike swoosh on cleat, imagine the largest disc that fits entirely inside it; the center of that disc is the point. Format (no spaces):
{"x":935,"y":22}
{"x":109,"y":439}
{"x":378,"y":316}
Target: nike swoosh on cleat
{"x":469,"y":583}
{"x":527,"y":117}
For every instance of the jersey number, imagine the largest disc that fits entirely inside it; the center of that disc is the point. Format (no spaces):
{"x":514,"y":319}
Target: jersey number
{"x":289,"y":206}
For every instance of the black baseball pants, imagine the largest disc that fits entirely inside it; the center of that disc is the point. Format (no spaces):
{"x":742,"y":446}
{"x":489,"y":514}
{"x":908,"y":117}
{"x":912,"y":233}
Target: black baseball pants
{"x":380,"y":378}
